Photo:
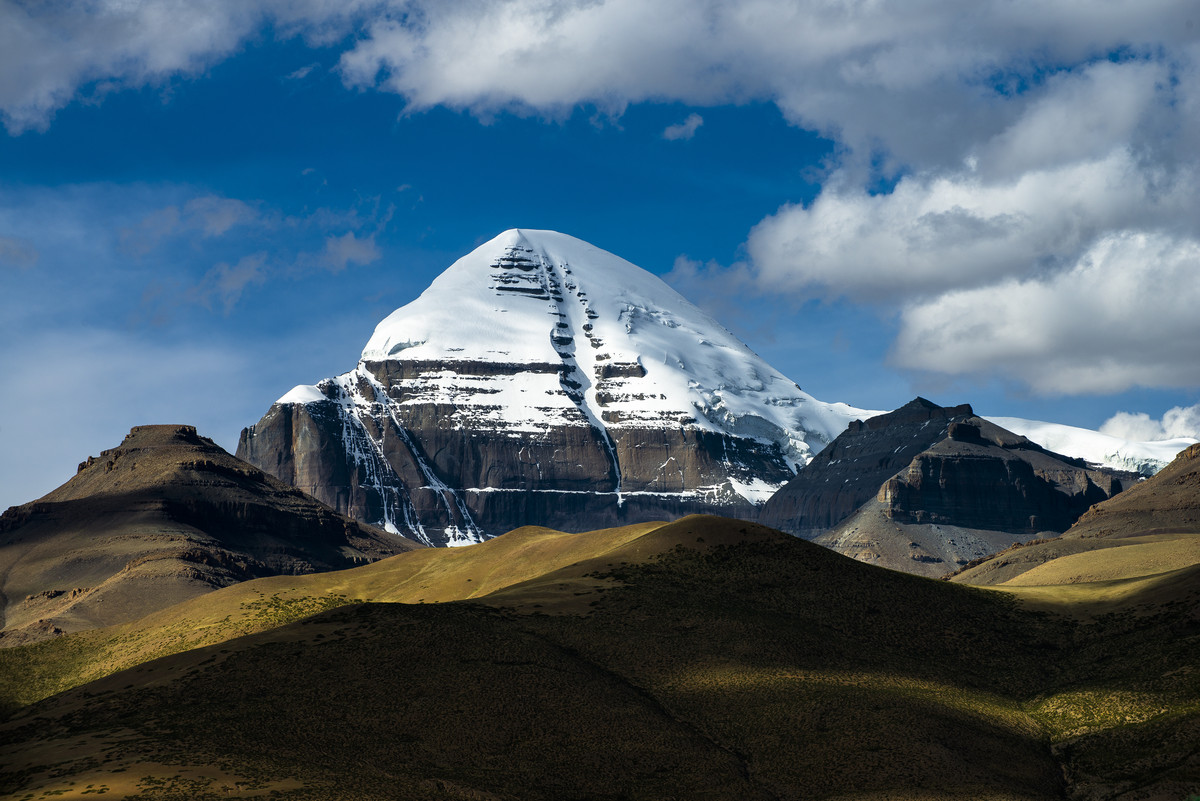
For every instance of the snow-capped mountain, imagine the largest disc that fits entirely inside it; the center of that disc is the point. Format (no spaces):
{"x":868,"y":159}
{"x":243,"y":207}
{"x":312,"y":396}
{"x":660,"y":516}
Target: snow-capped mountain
{"x":543,"y":380}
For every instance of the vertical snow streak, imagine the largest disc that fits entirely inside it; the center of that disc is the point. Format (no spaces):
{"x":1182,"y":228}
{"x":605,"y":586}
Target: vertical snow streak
{"x":375,"y":471}
{"x":456,"y":535}
{"x":587,"y":401}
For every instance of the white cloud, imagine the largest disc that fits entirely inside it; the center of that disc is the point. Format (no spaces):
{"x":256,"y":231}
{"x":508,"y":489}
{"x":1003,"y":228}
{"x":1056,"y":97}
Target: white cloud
{"x":1180,"y":421}
{"x":683,"y":130}
{"x":1025,"y":138}
{"x":938,"y":233}
{"x":1122,"y":316}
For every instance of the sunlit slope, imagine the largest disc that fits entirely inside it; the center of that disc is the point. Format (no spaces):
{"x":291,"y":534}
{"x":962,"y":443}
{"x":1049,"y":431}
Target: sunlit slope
{"x":707,"y":658}
{"x":1137,"y":556}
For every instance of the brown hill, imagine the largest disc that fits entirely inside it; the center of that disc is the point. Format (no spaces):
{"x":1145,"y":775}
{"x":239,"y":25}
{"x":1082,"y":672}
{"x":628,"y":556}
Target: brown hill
{"x":1153,"y":527}
{"x":165,"y":516}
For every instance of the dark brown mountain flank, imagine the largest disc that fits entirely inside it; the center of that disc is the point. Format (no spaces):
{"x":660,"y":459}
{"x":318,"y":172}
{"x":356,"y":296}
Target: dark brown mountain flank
{"x":926,"y":488}
{"x":1153,"y":527}
{"x":414,"y":468}
{"x":164,"y":517}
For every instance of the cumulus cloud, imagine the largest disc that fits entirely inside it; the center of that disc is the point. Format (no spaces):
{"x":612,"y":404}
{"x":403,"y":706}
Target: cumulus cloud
{"x":1023,"y":146}
{"x":1122,"y":316}
{"x":1178,"y":422}
{"x":937,"y":233}
{"x":923,"y":84}
{"x":685,"y":129}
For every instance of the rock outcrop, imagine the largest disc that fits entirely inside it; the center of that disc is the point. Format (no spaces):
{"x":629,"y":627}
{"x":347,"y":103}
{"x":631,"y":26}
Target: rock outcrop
{"x":927,"y":489}
{"x":1152,"y":527}
{"x":165,"y":516}
{"x":542,"y":381}
{"x":851,"y":470}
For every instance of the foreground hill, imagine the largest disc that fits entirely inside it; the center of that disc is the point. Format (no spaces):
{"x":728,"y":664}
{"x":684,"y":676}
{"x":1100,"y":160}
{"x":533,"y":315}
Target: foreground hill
{"x":165,"y":516}
{"x":706,"y":658}
{"x":926,"y":489}
{"x":1153,"y":527}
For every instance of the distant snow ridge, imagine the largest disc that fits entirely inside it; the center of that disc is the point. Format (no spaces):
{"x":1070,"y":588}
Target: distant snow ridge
{"x":541,"y":365}
{"x":1146,"y":458}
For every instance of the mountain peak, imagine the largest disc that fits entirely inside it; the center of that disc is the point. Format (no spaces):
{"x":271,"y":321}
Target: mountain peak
{"x":541,"y":363}
{"x":614,"y":341}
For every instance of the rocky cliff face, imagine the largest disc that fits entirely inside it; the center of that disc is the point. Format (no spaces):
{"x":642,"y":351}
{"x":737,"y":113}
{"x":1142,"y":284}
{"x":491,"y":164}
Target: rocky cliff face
{"x":1151,"y":528}
{"x":926,"y":489}
{"x":543,"y":381}
{"x":165,"y":516}
{"x":856,"y":464}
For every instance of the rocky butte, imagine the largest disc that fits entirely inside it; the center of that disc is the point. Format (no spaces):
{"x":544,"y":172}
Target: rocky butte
{"x":542,"y":380}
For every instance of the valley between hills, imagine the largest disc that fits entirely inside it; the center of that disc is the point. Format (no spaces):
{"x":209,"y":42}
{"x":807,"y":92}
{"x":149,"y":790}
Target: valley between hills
{"x":678,"y":576}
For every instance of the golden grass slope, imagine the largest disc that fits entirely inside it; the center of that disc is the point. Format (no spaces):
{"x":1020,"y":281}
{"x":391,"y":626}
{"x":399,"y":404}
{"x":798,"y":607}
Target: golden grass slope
{"x":419,"y":576}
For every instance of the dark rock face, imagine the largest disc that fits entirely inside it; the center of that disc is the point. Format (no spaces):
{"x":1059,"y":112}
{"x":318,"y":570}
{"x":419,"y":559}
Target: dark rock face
{"x":933,"y":466}
{"x":850,"y":471}
{"x":412,"y":467}
{"x":165,"y":516}
{"x":966,"y":481}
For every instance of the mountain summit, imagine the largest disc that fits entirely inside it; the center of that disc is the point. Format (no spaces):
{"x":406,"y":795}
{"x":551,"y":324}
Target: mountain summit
{"x":536,"y":380}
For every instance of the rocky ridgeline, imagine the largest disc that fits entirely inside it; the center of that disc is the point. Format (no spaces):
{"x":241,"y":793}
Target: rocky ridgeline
{"x":165,"y":516}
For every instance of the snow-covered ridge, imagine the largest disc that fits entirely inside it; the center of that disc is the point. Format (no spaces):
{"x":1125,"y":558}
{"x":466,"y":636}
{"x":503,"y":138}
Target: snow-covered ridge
{"x":1146,"y":458}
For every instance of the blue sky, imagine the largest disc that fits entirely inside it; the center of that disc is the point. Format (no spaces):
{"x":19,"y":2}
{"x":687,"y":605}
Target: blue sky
{"x":202,"y":205}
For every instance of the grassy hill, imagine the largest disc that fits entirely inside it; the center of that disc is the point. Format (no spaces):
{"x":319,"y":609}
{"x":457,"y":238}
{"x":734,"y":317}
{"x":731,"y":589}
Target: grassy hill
{"x":707,"y":658}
